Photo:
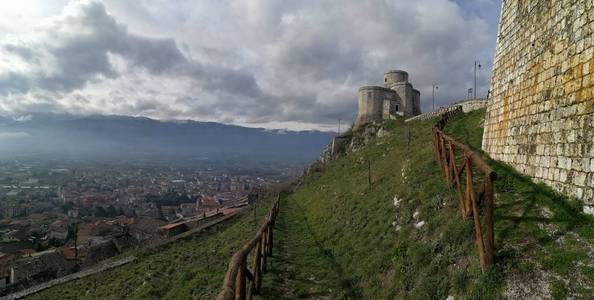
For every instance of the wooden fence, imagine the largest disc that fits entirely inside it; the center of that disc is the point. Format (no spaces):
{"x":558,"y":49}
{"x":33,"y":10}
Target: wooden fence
{"x":457,"y":161}
{"x":238,"y":274}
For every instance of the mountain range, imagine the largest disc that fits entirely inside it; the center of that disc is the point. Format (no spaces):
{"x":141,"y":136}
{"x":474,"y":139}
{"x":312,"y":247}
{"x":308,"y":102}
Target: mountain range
{"x":139,"y":138}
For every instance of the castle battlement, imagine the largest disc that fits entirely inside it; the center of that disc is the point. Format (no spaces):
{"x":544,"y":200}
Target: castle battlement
{"x":373,"y":87}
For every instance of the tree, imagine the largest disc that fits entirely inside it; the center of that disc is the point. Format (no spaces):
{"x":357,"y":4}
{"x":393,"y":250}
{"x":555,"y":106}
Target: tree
{"x":73,"y":232}
{"x":100,"y":212}
{"x":67,"y":206}
{"x":111,"y":211}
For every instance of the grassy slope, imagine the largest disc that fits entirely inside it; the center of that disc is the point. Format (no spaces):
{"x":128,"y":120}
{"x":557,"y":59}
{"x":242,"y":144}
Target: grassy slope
{"x":350,"y":231}
{"x":187,"y":269}
{"x":541,"y":235}
{"x":337,"y":237}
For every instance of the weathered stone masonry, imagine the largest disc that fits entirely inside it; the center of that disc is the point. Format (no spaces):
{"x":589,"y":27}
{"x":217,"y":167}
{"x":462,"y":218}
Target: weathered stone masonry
{"x":540,"y":118}
{"x":396,"y":97}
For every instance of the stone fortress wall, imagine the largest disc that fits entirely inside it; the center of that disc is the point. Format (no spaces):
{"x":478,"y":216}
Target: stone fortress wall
{"x":540,"y":118}
{"x":449,"y":110}
{"x":464,"y":106}
{"x":372,"y":105}
{"x":473,"y":104}
{"x":396,"y":97}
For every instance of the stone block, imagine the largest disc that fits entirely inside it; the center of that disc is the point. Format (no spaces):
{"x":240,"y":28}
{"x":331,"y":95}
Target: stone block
{"x":540,"y":118}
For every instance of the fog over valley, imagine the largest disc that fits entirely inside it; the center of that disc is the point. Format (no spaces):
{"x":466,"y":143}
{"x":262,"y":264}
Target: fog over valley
{"x":111,"y":138}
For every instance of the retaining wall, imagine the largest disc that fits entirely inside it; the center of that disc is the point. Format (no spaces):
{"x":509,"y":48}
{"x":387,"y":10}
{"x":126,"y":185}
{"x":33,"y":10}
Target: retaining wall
{"x":540,"y":117}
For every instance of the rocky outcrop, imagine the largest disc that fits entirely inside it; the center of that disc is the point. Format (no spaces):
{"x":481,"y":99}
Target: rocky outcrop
{"x":353,"y":141}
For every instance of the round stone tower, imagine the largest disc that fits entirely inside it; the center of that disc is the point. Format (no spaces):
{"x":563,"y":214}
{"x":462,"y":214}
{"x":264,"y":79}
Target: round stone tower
{"x":371,"y":104}
{"x":394,"y":76}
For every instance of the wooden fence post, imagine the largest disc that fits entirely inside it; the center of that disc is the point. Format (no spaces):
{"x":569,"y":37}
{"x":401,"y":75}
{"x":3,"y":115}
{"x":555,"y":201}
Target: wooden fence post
{"x":469,"y":186}
{"x":475,"y":212}
{"x":489,"y":220}
{"x":444,"y":165}
{"x":238,"y":273}
{"x":240,"y":283}
{"x":451,"y":164}
{"x":457,"y":183}
{"x":263,"y":249}
{"x":444,"y":148}
{"x":256,"y":268}
{"x":439,"y":150}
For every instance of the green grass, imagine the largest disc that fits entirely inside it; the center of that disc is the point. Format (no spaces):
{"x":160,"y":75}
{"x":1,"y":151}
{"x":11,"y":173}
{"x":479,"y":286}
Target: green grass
{"x":192,"y":268}
{"x":467,"y":129}
{"x":337,"y":239}
{"x":535,"y":225}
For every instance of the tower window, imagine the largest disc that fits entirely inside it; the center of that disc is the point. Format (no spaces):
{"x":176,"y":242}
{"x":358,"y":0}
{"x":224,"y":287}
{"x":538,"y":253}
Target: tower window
{"x":396,"y":107}
{"x":385,"y":79}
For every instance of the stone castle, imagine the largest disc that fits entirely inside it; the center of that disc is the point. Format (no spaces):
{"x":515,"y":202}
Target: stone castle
{"x":396,"y":97}
{"x":540,"y":119}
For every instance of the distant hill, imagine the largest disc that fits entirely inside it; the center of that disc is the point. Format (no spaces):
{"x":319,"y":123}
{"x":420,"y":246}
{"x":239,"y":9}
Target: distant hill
{"x":121,"y":137}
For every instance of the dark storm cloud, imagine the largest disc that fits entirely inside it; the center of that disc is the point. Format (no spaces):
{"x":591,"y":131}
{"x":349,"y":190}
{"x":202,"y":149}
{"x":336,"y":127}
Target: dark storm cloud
{"x":236,"y":82}
{"x":12,"y":82}
{"x":23,"y":52}
{"x":78,"y":45}
{"x":80,"y":42}
{"x":157,"y":55}
{"x":320,"y":55}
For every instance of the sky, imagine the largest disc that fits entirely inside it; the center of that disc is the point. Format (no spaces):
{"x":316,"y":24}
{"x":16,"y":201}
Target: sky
{"x":258,"y":63}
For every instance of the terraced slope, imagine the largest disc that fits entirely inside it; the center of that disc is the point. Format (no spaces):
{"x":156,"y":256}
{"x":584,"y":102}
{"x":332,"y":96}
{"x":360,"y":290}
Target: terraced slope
{"x":340,"y":238}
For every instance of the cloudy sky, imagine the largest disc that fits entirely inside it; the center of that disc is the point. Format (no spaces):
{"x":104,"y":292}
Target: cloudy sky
{"x":259,"y":63}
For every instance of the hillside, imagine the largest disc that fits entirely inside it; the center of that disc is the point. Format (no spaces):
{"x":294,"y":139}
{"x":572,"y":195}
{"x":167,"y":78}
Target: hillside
{"x":185,"y":269}
{"x":403,"y":237}
{"x":342,"y":239}
{"x":118,"y":138}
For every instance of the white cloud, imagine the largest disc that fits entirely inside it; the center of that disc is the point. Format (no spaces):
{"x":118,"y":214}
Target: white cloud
{"x":261,"y":62}
{"x":13,"y":135}
{"x":24,"y":118}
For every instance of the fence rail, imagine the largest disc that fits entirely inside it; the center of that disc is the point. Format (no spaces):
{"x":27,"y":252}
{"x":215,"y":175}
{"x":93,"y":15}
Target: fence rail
{"x":238,"y":273}
{"x":446,"y":149}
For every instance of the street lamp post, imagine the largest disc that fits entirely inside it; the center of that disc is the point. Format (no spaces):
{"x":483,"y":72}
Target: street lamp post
{"x":477,"y":64}
{"x":435,"y":87}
